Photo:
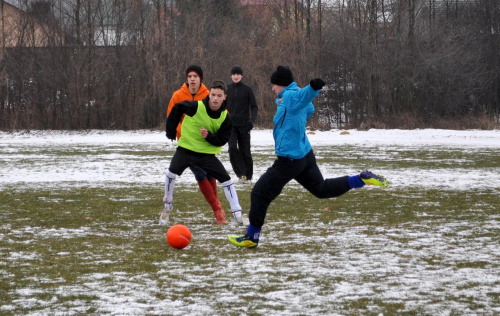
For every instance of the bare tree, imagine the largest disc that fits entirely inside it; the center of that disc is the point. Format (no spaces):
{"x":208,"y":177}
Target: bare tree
{"x":388,"y":63}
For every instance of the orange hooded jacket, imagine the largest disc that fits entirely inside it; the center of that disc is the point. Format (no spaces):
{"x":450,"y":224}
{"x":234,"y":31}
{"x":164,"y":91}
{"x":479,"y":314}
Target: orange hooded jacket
{"x":183,"y":94}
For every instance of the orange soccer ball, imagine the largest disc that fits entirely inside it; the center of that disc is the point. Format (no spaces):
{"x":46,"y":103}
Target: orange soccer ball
{"x":178,"y":236}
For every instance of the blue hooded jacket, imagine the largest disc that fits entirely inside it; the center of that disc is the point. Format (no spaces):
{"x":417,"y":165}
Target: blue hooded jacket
{"x":294,"y":109}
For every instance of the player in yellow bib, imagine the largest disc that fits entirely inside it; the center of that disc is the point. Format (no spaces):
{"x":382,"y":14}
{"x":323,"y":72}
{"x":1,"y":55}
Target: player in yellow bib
{"x":205,"y":129}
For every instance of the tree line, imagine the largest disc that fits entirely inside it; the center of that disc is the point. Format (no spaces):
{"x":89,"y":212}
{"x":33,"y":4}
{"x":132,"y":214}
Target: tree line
{"x":387,"y":63}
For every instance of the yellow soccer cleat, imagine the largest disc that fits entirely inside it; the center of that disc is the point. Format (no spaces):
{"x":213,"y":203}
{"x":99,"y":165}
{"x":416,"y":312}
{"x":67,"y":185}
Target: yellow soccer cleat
{"x":242,"y":241}
{"x":372,"y":179}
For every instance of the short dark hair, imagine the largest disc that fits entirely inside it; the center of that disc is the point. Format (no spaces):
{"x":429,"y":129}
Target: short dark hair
{"x":218,"y":84}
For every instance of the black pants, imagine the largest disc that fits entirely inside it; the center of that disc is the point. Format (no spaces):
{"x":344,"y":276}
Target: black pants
{"x":239,"y":152}
{"x":184,"y":158}
{"x":305,"y":171}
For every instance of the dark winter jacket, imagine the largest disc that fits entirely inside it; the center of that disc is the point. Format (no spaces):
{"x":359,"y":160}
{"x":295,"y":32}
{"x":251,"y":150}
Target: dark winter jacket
{"x":219,"y":138}
{"x":241,"y":104}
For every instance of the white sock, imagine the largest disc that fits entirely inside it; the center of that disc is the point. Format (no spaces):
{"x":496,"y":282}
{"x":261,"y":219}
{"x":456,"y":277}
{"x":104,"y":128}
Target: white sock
{"x":232,"y":196}
{"x":169,"y":187}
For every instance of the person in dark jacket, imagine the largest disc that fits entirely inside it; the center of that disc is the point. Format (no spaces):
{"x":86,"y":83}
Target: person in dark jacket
{"x":205,"y":129}
{"x":296,"y":159}
{"x":243,"y":109}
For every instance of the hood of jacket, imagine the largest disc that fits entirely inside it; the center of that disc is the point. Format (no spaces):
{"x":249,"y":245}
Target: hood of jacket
{"x":200,"y":94}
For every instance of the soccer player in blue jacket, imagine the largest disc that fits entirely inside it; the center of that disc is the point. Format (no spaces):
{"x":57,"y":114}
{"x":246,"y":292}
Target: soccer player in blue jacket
{"x":296,"y":158}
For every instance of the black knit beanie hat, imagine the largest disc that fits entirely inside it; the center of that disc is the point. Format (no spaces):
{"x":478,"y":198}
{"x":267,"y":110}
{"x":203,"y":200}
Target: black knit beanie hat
{"x":282,"y":76}
{"x":196,"y":69}
{"x":236,"y":70}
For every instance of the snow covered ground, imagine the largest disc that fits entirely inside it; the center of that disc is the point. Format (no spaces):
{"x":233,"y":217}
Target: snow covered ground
{"x":40,"y":165}
{"x":342,"y":265}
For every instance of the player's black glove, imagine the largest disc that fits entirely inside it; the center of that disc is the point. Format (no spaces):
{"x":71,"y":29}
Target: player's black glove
{"x":317,"y":84}
{"x":250,"y":126}
{"x":171,"y":137}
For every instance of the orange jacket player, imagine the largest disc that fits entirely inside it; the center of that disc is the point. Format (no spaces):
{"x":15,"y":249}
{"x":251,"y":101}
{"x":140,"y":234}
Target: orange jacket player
{"x":192,"y":90}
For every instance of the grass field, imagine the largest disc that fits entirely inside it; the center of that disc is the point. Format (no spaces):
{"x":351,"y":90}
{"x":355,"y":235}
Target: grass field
{"x":79,"y":234}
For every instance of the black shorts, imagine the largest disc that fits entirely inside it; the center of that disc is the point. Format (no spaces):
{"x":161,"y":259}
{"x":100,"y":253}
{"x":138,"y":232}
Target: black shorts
{"x":184,"y":158}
